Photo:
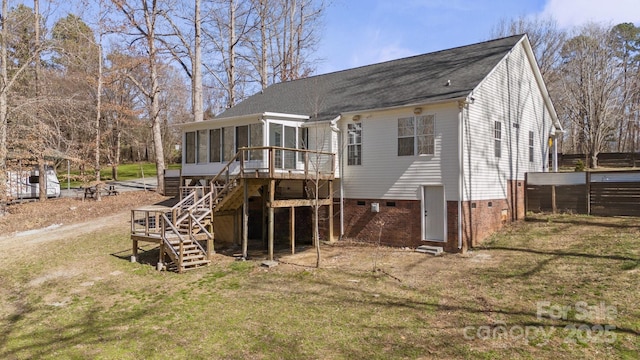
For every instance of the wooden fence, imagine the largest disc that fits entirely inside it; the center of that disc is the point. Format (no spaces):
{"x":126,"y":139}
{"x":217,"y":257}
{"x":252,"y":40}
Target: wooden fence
{"x":608,"y":160}
{"x":171,"y":182}
{"x":608,"y":193}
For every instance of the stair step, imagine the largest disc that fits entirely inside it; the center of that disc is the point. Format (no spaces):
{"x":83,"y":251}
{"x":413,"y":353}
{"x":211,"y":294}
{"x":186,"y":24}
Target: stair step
{"x":192,"y":257}
{"x":192,"y":251}
{"x":186,"y":265}
{"x":433,"y":250}
{"x":176,"y":242}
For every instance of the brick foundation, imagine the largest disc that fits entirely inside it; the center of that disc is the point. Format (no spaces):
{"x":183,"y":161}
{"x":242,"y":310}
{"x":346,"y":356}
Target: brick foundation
{"x":398,"y":223}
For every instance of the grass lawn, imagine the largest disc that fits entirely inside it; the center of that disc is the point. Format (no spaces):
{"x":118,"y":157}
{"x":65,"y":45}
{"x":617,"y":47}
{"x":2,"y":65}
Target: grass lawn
{"x":560,"y":287}
{"x":125,"y":172}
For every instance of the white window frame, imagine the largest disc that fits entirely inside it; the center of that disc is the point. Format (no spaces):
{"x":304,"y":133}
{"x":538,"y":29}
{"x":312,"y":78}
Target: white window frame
{"x":531,"y":144}
{"x":497,"y":139}
{"x":354,"y":144}
{"x":424,"y":142}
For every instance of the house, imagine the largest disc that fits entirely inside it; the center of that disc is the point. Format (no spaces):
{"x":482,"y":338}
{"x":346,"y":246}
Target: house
{"x":430,"y":149}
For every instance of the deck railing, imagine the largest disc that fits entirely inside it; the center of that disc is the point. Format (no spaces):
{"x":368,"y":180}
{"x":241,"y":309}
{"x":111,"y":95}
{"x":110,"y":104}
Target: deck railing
{"x":276,"y":162}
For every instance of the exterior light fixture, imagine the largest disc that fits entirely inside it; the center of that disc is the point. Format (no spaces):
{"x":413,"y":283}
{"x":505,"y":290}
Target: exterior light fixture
{"x":417,"y":111}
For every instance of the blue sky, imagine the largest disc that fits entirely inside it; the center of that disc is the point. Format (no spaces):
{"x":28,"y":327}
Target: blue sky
{"x":362,"y":32}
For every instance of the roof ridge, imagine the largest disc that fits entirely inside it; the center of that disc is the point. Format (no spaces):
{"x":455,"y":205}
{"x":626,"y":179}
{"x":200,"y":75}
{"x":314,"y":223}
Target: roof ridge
{"x":401,"y":59}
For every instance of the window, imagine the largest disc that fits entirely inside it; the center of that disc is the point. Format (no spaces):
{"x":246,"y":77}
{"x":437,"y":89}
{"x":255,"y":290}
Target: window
{"x":416,"y":135}
{"x":290,"y":141}
{"x":242,"y":137}
{"x":424,"y":134}
{"x":530,"y":146}
{"x":255,"y":140}
{"x":202,"y":146}
{"x":227,"y":143}
{"x":215,"y":145}
{"x":303,"y":140}
{"x":354,"y":144}
{"x":497,"y":138}
{"x":190,"y":147}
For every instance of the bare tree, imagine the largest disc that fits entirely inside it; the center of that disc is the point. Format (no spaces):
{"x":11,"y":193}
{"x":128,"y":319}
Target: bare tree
{"x":626,"y":41}
{"x":589,"y":82}
{"x":142,"y":17}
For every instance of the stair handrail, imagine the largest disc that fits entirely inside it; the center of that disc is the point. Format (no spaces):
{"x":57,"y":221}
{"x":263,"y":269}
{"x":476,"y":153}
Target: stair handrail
{"x":177,"y":209}
{"x":204,"y":202}
{"x":225,"y":174}
{"x":202,"y":227}
{"x":177,"y":255}
{"x":194,"y":240}
{"x":168,"y":222}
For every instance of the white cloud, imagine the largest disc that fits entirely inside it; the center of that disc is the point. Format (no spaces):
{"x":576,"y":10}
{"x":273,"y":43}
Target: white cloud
{"x":571,"y":13}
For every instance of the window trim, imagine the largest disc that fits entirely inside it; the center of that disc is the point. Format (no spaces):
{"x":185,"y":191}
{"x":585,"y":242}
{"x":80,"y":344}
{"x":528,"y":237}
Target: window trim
{"x":354,"y":142}
{"x":497,"y":139}
{"x":429,"y":138}
{"x":531,"y":146}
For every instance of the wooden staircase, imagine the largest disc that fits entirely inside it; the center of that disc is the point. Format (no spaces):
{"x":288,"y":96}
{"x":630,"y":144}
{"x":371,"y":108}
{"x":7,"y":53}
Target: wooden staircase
{"x":188,"y":224}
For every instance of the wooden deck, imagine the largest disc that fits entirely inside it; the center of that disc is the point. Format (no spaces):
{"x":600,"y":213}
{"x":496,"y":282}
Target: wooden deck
{"x":180,"y":229}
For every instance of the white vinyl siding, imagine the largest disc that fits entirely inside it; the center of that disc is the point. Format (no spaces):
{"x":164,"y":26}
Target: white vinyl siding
{"x":385,"y":175}
{"x":510,"y":95}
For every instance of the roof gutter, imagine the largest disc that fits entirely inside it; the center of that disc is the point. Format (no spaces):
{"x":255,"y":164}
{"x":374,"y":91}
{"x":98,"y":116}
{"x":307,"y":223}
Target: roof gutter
{"x":423,"y":103}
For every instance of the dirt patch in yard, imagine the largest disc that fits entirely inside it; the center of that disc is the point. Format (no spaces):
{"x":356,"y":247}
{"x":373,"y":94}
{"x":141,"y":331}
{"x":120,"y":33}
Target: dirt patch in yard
{"x":58,"y":219}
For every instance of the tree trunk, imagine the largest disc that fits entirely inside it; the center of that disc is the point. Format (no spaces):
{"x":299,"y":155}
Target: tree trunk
{"x":263,"y":44}
{"x":198,"y":103}
{"x":4,"y":78}
{"x":42,"y":179}
{"x":98,"y":115}
{"x":155,"y":99}
{"x":232,"y":54}
{"x":116,"y":162}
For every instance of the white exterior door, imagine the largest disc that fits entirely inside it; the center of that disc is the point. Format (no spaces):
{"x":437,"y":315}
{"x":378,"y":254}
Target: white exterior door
{"x":433,"y":213}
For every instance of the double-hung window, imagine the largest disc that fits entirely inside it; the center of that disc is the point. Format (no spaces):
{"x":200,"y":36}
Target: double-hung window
{"x":354,"y":144}
{"x":416,"y":135}
{"x":530,"y":146}
{"x":497,"y":139}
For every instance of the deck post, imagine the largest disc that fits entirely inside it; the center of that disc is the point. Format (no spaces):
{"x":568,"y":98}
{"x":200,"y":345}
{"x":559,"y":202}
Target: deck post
{"x":330,"y":232}
{"x":161,"y":254}
{"x":210,"y":240}
{"x":134,"y":256}
{"x":245,"y":219}
{"x":272,"y":190}
{"x":292,"y":229}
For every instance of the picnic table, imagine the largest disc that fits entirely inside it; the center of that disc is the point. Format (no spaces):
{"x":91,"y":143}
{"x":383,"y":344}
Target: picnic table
{"x":92,"y":190}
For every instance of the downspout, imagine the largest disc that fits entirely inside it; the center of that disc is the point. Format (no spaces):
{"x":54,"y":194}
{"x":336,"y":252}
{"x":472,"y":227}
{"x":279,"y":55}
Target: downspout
{"x":461,"y":105}
{"x":335,"y":129}
{"x":554,"y":148}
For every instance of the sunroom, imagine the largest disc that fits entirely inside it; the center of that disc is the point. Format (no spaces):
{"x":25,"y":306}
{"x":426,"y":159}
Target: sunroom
{"x":265,"y":145}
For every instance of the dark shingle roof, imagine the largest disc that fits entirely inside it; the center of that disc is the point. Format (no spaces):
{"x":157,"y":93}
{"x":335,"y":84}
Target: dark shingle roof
{"x":411,"y":80}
